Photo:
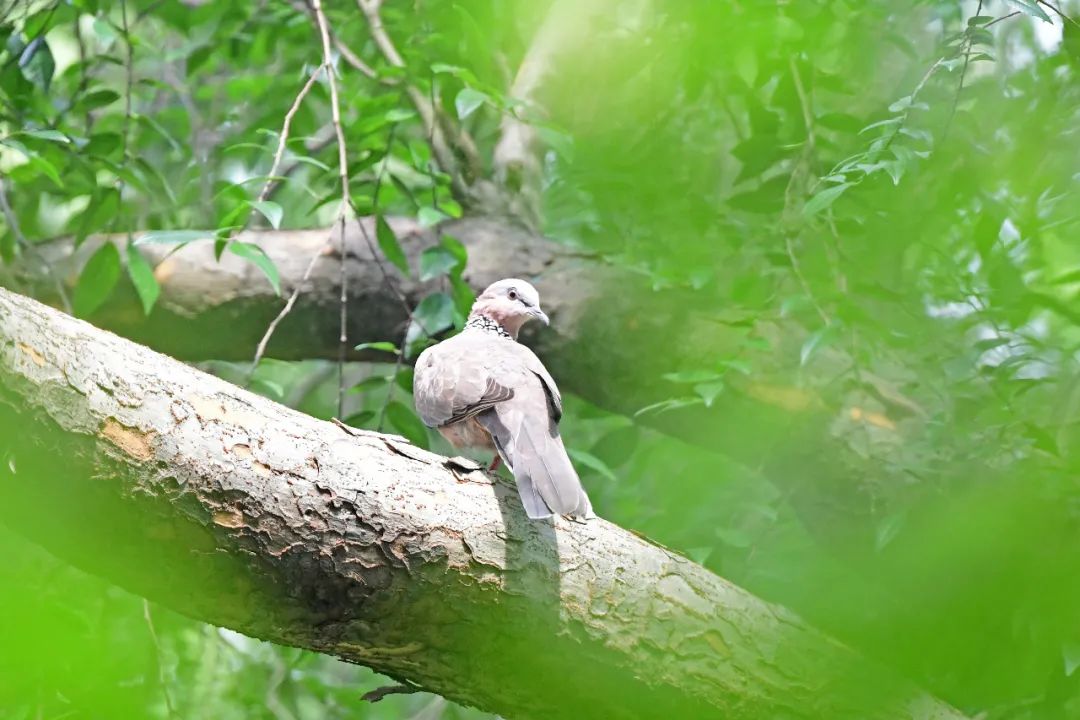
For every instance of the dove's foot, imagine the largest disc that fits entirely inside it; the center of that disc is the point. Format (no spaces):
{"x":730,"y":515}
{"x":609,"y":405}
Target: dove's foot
{"x":495,"y":462}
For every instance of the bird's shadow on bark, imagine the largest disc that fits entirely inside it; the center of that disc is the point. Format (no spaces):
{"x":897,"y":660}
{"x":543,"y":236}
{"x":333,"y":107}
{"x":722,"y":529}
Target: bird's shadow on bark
{"x":531,"y":561}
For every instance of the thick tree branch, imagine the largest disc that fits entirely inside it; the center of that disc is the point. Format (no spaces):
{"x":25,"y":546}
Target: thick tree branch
{"x":237,"y":511}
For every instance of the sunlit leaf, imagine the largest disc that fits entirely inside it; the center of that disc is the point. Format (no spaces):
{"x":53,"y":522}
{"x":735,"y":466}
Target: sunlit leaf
{"x":173,"y":237}
{"x":381,"y":346}
{"x":436,"y":262}
{"x":823,"y":199}
{"x":1031,"y":7}
{"x":468,"y":101}
{"x":271,"y":211}
{"x":258,"y":256}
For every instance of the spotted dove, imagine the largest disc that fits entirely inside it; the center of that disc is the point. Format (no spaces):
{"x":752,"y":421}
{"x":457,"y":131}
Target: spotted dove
{"x":483,"y":389}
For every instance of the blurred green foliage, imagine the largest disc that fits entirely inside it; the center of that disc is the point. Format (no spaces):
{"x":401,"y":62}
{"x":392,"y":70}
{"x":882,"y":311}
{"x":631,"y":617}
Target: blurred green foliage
{"x":871,"y":206}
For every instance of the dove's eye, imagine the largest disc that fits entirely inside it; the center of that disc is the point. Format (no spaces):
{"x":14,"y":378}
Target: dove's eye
{"x":512,"y":294}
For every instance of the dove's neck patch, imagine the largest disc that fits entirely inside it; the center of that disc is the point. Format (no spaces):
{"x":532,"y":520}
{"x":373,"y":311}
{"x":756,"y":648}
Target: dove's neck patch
{"x":477,"y":321}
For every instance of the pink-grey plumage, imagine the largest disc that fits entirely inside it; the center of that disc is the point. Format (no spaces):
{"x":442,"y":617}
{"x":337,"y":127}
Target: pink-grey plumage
{"x":483,"y":389}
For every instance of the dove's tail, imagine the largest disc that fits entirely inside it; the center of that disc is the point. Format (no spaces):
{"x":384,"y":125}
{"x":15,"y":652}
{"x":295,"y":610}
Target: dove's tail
{"x":535,"y":454}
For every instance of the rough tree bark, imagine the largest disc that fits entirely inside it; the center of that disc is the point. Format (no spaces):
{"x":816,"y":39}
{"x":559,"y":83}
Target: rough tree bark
{"x":601,"y":345}
{"x":613,"y":336}
{"x":240,"y":512}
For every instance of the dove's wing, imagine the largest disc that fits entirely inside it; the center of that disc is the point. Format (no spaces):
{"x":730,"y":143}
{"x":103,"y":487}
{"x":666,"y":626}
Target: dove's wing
{"x":525,"y":428}
{"x":449,"y":385}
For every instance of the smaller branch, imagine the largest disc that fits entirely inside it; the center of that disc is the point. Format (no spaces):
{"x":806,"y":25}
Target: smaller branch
{"x":963,"y":75}
{"x":261,"y":349}
{"x":802,"y":281}
{"x":129,"y":68}
{"x":379,"y":693}
{"x":343,"y":336}
{"x":1062,"y":15}
{"x":994,"y":22}
{"x":283,"y":137}
{"x":346,"y":200}
{"x":354,"y":59}
{"x":162,"y":680}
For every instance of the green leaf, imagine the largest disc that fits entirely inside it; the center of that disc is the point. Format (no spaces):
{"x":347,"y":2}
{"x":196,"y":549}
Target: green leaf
{"x":980,"y":20}
{"x":47,"y":169}
{"x":105,"y":32}
{"x":359,"y":419}
{"x":618,"y":446}
{"x":255,"y":254}
{"x":97,"y":280}
{"x":142,"y":277}
{"x":468,"y":101}
{"x":456,"y":248}
{"x":382,"y":346}
{"x":708,"y":392}
{"x":1070,"y":653}
{"x":389,"y":245}
{"x":824,"y":199}
{"x":98,"y":99}
{"x":888,"y":529}
{"x":435,"y":313}
{"x":1031,"y":8}
{"x":171,"y":237}
{"x":692,"y":376}
{"x":816,"y":341}
{"x":267,"y":388}
{"x":36,"y":63}
{"x":668,"y":405}
{"x":436,"y":262}
{"x":369,"y":383}
{"x":430,"y":217}
{"x":51,"y":135}
{"x":269,"y":210}
{"x":463,"y":295}
{"x":405,"y":422}
{"x":397,"y":115}
{"x":584,"y":459}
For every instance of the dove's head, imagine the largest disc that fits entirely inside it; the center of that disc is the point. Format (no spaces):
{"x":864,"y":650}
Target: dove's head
{"x":511,"y":303}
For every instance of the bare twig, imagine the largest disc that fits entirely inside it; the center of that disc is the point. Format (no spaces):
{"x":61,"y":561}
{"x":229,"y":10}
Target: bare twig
{"x":162,"y":680}
{"x":261,"y":349}
{"x":129,"y":69}
{"x":283,"y":137}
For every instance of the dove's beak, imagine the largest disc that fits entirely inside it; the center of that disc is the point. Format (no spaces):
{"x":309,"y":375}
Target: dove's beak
{"x":539,"y":315}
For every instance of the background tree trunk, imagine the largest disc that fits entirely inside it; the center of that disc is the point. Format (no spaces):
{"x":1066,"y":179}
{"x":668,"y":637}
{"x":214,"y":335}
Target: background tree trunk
{"x":237,"y":511}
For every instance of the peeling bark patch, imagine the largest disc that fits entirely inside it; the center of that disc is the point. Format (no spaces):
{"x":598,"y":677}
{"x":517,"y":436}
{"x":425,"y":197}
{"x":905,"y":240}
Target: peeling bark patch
{"x":131,"y":441}
{"x":241,"y":450}
{"x":37,"y":358}
{"x":228,"y":518}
